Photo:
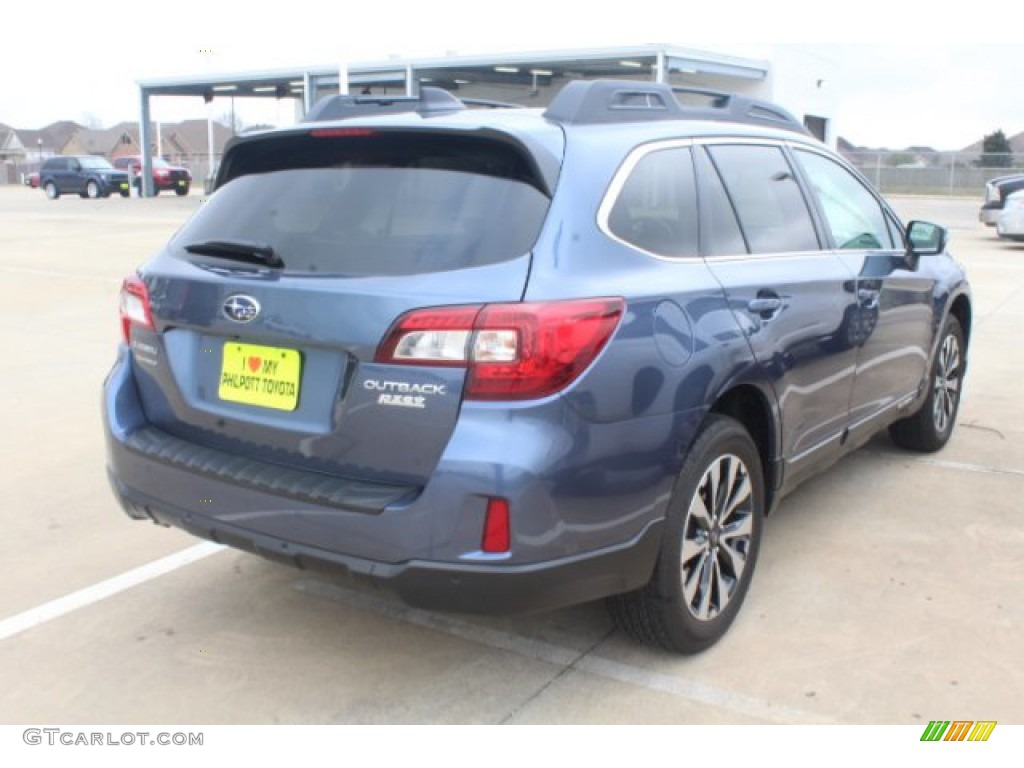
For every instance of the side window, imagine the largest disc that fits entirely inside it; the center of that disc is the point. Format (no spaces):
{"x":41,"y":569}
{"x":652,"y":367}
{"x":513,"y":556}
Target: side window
{"x":719,"y":229}
{"x":853,"y":214}
{"x":656,"y":209}
{"x":771,"y":208}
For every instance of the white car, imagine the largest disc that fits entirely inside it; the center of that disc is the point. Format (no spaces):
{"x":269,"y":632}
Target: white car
{"x":1010,"y":224}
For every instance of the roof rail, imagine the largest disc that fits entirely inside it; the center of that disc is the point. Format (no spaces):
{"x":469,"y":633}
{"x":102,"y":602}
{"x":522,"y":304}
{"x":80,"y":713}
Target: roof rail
{"x":490,"y":104}
{"x":583,"y":102}
{"x":431,"y":101}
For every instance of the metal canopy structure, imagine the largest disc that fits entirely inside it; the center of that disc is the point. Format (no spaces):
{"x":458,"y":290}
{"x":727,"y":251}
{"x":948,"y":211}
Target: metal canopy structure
{"x":528,"y":78}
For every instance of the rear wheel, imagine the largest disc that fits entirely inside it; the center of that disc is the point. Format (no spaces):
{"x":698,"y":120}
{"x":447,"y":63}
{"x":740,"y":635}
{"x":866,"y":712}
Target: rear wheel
{"x":712,"y":537}
{"x":930,"y":427}
{"x":181,"y":191}
{"x":51,"y":190}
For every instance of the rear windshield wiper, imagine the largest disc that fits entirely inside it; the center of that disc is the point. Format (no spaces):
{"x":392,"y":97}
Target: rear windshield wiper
{"x":238,"y":250}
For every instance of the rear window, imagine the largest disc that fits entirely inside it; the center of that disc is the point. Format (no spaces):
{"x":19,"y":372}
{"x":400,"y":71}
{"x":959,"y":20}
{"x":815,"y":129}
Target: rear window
{"x":384,"y":204}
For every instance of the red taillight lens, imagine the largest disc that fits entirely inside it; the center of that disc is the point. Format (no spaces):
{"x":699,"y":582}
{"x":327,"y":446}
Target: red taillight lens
{"x":497,"y":537}
{"x":524,"y":351}
{"x":134,"y":306}
{"x":512,"y":351}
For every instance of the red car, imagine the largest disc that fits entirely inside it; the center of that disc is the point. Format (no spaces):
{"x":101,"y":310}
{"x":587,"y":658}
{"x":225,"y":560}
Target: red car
{"x":165,"y":175}
{"x":32,"y":180}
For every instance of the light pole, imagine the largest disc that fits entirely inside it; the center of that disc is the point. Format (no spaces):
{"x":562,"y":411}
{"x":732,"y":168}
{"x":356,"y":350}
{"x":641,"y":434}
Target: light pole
{"x":40,"y":142}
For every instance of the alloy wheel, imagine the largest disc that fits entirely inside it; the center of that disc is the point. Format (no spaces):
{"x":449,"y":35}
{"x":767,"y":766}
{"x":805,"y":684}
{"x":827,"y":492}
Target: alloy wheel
{"x":947,"y":384}
{"x":717,"y":537}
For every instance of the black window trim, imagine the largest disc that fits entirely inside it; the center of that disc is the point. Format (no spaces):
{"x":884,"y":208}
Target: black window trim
{"x":787,"y":146}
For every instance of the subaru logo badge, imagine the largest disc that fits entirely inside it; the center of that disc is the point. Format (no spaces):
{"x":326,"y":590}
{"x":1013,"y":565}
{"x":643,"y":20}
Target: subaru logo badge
{"x":241,"y":308}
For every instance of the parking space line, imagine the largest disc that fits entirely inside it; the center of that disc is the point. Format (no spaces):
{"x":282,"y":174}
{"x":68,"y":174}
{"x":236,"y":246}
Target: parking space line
{"x":104,"y":589}
{"x":541,"y":650}
{"x":988,"y":470}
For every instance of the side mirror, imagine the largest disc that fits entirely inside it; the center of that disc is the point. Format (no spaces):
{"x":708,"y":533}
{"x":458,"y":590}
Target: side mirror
{"x":925,"y":238}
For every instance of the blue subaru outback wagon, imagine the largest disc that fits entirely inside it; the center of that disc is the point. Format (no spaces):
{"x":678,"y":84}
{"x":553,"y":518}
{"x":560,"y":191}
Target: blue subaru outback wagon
{"x":506,"y":360}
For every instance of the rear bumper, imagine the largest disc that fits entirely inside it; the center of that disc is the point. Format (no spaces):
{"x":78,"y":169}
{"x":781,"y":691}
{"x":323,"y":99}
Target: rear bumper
{"x":989,"y":214}
{"x":1011,"y":224}
{"x":111,"y":185}
{"x":584,"y":524}
{"x":168,"y":183}
{"x":492,"y":588}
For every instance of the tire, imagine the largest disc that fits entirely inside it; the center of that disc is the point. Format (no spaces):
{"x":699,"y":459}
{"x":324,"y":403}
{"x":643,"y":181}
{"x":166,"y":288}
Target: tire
{"x":929,"y":428}
{"x":709,"y":548}
{"x":51,"y":190}
{"x":126,"y":193}
{"x":181,"y":191}
{"x":92,"y":190}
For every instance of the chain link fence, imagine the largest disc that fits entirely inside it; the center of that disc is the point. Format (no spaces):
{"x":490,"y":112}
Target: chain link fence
{"x":956,"y":174}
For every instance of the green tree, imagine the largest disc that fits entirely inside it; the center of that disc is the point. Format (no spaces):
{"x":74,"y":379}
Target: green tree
{"x":996,"y":151}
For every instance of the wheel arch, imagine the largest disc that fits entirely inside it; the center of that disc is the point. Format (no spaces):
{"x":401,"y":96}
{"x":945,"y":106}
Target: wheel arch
{"x":961,"y":310}
{"x":751,"y":407}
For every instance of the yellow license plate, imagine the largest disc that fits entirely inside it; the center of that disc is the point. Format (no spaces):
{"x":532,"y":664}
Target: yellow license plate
{"x":181,"y":182}
{"x":257,"y":375}
{"x":124,"y":185}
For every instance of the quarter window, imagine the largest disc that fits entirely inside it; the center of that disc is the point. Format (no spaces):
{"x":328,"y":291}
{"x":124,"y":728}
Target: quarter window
{"x":769,"y":204}
{"x":854,"y":216}
{"x":656,"y":209}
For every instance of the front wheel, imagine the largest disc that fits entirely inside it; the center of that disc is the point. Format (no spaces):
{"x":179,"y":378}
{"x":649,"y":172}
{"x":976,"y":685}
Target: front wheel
{"x":181,"y":191}
{"x":930,"y":428}
{"x":710,"y":545}
{"x":51,"y":190}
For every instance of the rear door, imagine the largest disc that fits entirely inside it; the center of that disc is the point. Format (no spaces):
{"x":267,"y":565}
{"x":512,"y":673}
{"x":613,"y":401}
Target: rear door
{"x":277,"y":363}
{"x":788,"y":293}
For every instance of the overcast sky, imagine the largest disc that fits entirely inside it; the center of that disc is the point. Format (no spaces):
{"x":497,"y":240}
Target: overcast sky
{"x":925,"y":80}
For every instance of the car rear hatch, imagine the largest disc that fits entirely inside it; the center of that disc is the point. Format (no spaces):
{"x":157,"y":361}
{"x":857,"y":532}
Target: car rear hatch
{"x":267,"y":309}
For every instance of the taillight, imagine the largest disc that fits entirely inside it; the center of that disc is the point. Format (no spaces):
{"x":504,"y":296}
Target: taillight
{"x":438,"y":336}
{"x":134,"y":306}
{"x":511,"y":351}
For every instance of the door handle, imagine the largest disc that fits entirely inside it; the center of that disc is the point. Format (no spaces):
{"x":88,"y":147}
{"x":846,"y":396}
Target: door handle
{"x":765,"y":306}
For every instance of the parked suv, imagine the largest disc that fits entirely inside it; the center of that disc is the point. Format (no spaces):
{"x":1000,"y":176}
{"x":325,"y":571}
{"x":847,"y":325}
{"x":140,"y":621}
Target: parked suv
{"x":511,"y":360}
{"x":85,"y":175}
{"x":165,"y":175}
{"x":996,"y":192}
